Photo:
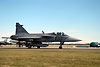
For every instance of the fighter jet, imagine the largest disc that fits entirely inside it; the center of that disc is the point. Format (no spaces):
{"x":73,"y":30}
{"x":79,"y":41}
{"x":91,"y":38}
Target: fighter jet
{"x":5,"y":41}
{"x":37,"y":39}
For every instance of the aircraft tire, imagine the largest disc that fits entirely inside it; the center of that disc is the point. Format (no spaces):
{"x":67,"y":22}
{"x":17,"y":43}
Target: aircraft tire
{"x":60,"y":47}
{"x":38,"y":46}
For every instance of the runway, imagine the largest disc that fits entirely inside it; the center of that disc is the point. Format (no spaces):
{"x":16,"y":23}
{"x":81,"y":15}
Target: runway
{"x":53,"y":47}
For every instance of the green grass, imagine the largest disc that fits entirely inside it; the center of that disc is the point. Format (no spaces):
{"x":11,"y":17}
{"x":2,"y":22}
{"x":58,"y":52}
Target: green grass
{"x":49,"y":58}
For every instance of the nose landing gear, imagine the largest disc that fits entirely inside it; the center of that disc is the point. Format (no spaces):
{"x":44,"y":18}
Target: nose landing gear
{"x":61,"y":43}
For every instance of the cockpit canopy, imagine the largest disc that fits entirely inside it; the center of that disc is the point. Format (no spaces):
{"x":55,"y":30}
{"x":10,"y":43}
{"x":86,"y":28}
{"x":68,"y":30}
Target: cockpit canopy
{"x":59,"y":33}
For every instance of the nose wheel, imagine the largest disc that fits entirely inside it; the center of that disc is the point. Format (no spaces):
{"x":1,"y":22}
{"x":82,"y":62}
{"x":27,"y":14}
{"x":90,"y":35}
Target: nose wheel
{"x":60,"y":47}
{"x":61,"y":43}
{"x":38,"y":47}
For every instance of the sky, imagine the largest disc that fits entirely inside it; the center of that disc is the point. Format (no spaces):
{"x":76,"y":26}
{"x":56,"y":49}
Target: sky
{"x":76,"y":18}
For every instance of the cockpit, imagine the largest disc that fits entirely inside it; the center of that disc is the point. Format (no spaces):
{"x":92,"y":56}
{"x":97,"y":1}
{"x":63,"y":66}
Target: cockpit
{"x":59,"y":33}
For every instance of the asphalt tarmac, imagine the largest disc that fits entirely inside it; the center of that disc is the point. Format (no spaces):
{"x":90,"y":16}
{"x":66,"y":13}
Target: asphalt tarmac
{"x":53,"y":47}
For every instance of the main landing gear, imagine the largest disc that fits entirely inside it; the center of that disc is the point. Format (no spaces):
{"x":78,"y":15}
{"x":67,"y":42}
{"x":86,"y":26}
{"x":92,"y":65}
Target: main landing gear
{"x":20,"y":44}
{"x":29,"y":46}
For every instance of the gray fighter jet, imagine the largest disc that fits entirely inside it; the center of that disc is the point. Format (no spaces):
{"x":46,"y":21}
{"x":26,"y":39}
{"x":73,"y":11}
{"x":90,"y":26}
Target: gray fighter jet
{"x":37,"y":39}
{"x":5,"y":41}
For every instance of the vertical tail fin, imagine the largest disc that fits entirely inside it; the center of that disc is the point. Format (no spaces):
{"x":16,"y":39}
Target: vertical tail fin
{"x":20,"y":29}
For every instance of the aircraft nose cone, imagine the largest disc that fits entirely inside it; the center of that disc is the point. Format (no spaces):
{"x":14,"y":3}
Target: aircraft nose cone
{"x":71,"y":39}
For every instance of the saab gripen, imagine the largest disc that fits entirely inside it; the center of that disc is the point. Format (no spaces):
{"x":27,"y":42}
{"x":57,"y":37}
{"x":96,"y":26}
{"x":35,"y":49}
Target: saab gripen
{"x":36,"y":40}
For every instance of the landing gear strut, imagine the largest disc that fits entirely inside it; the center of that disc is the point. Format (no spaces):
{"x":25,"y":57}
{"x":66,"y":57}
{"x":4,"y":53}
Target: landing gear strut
{"x":61,"y":43}
{"x":19,"y":44}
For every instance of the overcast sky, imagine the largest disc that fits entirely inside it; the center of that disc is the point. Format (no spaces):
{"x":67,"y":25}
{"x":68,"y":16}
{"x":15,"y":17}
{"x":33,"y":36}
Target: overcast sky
{"x":77,"y":18}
